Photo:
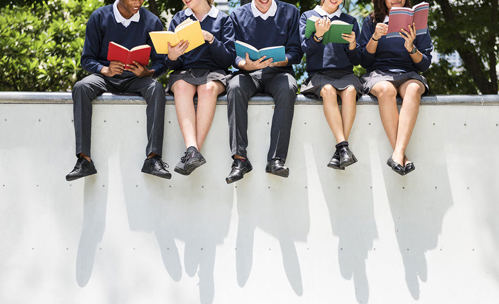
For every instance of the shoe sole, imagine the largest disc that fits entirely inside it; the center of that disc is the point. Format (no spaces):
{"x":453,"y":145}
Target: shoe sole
{"x":192,"y":166}
{"x":281,"y":173}
{"x":230,"y":181}
{"x":181,"y":171}
{"x":168,"y":176}
{"x":72,"y":178}
{"x":335,"y":167}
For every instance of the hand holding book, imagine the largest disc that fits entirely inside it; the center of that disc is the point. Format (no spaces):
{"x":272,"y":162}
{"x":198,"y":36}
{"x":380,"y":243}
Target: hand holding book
{"x":249,"y":65}
{"x":177,"y":50}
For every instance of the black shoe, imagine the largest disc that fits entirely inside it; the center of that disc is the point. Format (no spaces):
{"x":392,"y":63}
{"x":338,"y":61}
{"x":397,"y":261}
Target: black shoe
{"x":335,"y":161}
{"x":156,"y":166}
{"x":346,"y":157}
{"x":190,"y":161}
{"x":82,"y":168}
{"x":276,"y":167}
{"x":395,"y":167}
{"x":239,"y":168}
{"x":409,"y":167}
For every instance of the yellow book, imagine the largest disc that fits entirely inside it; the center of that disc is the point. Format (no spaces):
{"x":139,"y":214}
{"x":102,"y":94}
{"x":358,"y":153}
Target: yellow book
{"x":188,"y":30}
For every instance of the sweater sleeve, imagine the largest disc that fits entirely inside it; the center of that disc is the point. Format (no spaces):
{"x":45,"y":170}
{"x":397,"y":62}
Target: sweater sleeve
{"x":222,"y":51}
{"x":174,"y":64}
{"x":293,"y":50}
{"x":92,"y":46}
{"x":354,"y":55}
{"x":425,"y":46}
{"x":367,"y":59}
{"x":157,"y":61}
{"x":308,"y":45}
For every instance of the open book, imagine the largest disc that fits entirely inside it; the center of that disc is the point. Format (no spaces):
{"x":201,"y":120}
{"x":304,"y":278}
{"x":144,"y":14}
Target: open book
{"x":333,"y":35}
{"x":120,"y":53}
{"x":277,"y":53}
{"x":402,"y":17}
{"x":188,"y":30}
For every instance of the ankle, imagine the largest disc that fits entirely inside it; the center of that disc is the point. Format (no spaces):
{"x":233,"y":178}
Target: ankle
{"x":239,"y":157}
{"x":81,"y":155}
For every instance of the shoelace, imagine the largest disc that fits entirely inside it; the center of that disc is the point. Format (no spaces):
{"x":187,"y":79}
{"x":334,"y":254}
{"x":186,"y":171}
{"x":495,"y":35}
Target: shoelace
{"x":184,"y":158}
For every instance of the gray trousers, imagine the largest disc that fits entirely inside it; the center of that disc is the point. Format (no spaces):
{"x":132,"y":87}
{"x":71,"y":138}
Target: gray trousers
{"x":281,"y":85}
{"x":87,"y":89}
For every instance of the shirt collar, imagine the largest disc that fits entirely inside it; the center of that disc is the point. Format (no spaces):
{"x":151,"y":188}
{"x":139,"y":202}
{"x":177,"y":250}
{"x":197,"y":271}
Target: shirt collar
{"x":323,"y":13}
{"x":213,"y":13}
{"x":270,"y":13}
{"x":386,"y":19}
{"x":120,"y":19}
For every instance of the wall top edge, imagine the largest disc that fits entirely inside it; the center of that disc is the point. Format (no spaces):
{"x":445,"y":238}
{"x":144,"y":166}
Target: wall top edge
{"x":108,"y":98}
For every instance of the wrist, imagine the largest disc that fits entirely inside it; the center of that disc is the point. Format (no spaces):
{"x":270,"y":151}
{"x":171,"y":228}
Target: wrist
{"x":212,"y":39}
{"x":352,"y":46}
{"x":104,"y":71}
{"x":412,"y":50}
{"x":318,"y":38}
{"x":373,"y":38}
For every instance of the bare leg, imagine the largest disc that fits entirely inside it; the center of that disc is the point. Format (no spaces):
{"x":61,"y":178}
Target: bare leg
{"x":186,"y":114}
{"x":387,"y":101}
{"x":348,"y":108}
{"x":332,"y":111}
{"x":207,"y":101}
{"x":411,"y":92}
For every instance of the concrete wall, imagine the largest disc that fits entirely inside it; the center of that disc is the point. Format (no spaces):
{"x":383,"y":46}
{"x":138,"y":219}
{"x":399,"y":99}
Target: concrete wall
{"x":364,"y":235}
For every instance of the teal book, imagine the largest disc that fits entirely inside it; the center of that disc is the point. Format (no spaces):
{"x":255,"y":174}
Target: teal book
{"x":277,"y":53}
{"x":333,"y":35}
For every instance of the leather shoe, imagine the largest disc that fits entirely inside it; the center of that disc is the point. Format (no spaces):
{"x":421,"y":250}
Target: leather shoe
{"x":190,"y":161}
{"x":276,"y":167}
{"x":82,"y":168}
{"x":335,"y":161}
{"x":239,"y":168}
{"x":395,"y":166}
{"x":346,"y":157}
{"x":157,"y":167}
{"x":409,"y":167}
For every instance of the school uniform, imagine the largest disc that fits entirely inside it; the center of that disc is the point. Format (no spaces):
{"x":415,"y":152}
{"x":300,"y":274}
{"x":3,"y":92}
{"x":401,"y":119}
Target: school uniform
{"x":392,"y":62}
{"x":278,"y":26}
{"x":106,"y":24}
{"x":208,"y":62}
{"x":330,"y":63}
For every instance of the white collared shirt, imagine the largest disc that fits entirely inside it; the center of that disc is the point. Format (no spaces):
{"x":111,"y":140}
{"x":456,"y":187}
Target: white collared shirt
{"x":323,"y":13}
{"x":269,"y":13}
{"x":386,"y":19}
{"x":120,"y":19}
{"x":213,"y":13}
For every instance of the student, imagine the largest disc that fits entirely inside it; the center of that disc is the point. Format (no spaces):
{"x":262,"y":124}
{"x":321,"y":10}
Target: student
{"x":201,"y":71}
{"x":330,"y":69}
{"x":263,"y":23}
{"x":392,"y":67}
{"x":127,"y":24}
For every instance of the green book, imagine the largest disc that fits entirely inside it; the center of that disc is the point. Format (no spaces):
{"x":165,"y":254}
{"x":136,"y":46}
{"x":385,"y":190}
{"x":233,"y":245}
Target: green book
{"x":333,"y":35}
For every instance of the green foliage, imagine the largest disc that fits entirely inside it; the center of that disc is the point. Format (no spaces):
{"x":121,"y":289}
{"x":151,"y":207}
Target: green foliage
{"x":40,"y":44}
{"x":445,"y":79}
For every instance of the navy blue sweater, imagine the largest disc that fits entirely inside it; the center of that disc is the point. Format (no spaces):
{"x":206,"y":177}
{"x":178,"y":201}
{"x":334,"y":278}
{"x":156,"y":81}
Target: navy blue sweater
{"x":103,"y":28}
{"x":391,"y":54}
{"x":216,"y":56}
{"x":335,"y":56}
{"x":281,"y":29}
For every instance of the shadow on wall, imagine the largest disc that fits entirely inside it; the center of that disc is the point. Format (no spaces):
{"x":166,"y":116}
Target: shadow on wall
{"x":418,"y":204}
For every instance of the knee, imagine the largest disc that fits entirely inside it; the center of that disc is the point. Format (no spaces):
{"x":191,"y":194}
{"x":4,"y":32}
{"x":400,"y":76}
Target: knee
{"x":80,"y":86}
{"x":385,"y":90}
{"x":328,"y":92}
{"x":350,"y":90}
{"x":181,"y":86}
{"x":209,"y":89}
{"x":415,"y":89}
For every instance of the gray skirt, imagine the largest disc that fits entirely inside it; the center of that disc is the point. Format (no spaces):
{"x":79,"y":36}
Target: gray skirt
{"x":196,"y":77}
{"x":340,"y":80}
{"x":372,"y":78}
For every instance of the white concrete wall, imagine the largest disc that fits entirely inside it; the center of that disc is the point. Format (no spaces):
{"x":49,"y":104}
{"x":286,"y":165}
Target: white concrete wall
{"x":364,"y":235}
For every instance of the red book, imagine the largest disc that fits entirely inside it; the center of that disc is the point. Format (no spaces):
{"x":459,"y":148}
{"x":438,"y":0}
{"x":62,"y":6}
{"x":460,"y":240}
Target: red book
{"x":402,"y":17}
{"x":120,"y":53}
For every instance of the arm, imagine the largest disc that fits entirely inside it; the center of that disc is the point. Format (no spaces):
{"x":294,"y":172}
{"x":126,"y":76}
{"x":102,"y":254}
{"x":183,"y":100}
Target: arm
{"x":367,"y":45}
{"x":308,"y":45}
{"x":422,"y":46}
{"x":352,"y":49}
{"x":223,"y":51}
{"x":158,"y":64}
{"x":92,"y":46}
{"x":293,"y":49}
{"x":174,"y":62}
